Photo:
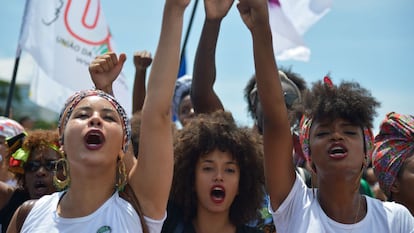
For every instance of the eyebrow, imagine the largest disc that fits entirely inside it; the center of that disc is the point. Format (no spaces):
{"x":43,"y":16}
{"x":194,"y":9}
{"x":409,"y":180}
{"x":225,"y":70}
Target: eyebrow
{"x":104,"y":109}
{"x":343,"y":124}
{"x":211,"y":161}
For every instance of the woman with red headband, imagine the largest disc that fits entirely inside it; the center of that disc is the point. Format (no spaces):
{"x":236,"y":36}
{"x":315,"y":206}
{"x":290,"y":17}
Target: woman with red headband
{"x":335,"y":137}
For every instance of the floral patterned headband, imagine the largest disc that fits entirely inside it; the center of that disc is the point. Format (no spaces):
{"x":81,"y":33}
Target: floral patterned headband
{"x":306,"y":123}
{"x":74,"y":100}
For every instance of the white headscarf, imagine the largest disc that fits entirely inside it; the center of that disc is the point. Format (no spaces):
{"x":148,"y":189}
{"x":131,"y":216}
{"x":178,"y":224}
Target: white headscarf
{"x":9,"y":127}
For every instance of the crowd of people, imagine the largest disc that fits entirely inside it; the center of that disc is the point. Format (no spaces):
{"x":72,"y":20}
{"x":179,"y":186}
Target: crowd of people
{"x":181,"y":163}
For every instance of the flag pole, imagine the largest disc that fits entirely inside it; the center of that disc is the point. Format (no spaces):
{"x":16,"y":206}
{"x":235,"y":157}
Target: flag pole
{"x":16,"y":66}
{"x":12,"y":83}
{"x":187,"y":34}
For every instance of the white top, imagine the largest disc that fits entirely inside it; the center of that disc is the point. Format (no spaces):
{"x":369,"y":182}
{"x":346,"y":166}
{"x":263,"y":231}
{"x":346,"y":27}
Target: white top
{"x":300,"y":212}
{"x":115,"y":215}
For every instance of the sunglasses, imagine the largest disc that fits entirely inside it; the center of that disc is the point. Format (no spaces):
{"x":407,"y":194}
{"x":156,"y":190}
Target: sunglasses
{"x":33,"y":166}
{"x":290,"y":99}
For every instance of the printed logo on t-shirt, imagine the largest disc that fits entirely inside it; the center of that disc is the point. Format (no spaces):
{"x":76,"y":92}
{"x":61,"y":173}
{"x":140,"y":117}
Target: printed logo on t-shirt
{"x":104,"y":229}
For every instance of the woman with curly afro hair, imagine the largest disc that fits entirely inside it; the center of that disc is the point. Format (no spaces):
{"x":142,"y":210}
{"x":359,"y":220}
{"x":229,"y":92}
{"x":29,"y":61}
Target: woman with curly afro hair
{"x":218,"y":176}
{"x":336,"y":138}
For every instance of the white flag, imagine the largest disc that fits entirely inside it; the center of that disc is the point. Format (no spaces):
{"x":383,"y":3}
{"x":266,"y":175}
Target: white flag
{"x":63,"y":37}
{"x":289,"y":20}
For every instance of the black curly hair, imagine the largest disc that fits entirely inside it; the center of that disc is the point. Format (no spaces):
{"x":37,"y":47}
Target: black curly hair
{"x":204,"y":134}
{"x":252,"y":97}
{"x":348,"y":100}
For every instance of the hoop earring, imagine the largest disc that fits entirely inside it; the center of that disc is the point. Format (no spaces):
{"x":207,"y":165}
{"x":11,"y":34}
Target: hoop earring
{"x":61,"y":184}
{"x":121,"y":176}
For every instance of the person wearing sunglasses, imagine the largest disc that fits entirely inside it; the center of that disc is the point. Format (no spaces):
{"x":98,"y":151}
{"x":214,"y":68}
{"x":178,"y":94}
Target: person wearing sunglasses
{"x":34,"y":158}
{"x":293,"y":86}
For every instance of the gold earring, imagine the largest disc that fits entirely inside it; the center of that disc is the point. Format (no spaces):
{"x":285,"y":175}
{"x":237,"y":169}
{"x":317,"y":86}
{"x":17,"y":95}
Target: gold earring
{"x":121,"y":176}
{"x":61,"y":184}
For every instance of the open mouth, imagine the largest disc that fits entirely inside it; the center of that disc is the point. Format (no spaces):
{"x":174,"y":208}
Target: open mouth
{"x":94,"y":139}
{"x":338,"y":152}
{"x":39,"y":185}
{"x":40,"y":189}
{"x":218,"y":194}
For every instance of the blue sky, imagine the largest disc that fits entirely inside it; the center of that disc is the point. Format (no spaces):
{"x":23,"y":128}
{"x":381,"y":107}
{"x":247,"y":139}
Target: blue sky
{"x":368,"y":41}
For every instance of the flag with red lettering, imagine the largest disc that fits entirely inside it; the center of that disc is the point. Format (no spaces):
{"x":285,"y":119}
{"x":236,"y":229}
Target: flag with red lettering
{"x":63,"y":37}
{"x":289,"y":20}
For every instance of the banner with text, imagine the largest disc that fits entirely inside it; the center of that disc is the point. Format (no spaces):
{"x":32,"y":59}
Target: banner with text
{"x":63,"y":37}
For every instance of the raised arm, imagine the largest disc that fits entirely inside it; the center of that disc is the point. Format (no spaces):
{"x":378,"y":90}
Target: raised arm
{"x":151,"y":178}
{"x":203,"y":96}
{"x":277,"y":139}
{"x":105,"y":69}
{"x":142,"y":60}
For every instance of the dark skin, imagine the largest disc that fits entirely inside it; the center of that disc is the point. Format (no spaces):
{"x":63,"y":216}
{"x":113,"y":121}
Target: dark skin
{"x":185,"y":110}
{"x":402,"y":191}
{"x":339,"y":178}
{"x":279,"y":170}
{"x":142,"y":60}
{"x":203,"y":96}
{"x":6,"y":191}
{"x":39,"y":182}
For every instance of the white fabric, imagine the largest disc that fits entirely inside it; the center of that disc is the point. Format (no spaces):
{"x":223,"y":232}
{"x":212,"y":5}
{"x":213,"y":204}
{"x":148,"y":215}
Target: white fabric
{"x":115,"y":215}
{"x":62,"y":38}
{"x":300,"y":212}
{"x":289,"y":20}
{"x":9,"y":127}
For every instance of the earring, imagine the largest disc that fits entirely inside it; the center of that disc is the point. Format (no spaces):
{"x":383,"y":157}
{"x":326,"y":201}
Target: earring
{"x":61,"y":184}
{"x":121,"y":176}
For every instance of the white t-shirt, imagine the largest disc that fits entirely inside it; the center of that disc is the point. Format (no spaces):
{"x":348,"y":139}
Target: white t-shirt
{"x":115,"y":215}
{"x":300,"y":212}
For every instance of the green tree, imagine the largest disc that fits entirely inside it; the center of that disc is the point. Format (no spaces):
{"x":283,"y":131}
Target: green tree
{"x":4,"y":93}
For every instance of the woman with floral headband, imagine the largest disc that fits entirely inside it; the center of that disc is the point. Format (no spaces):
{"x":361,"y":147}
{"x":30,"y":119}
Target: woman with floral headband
{"x":33,"y":160}
{"x":336,"y":138}
{"x":393,"y":158}
{"x":94,"y":133}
